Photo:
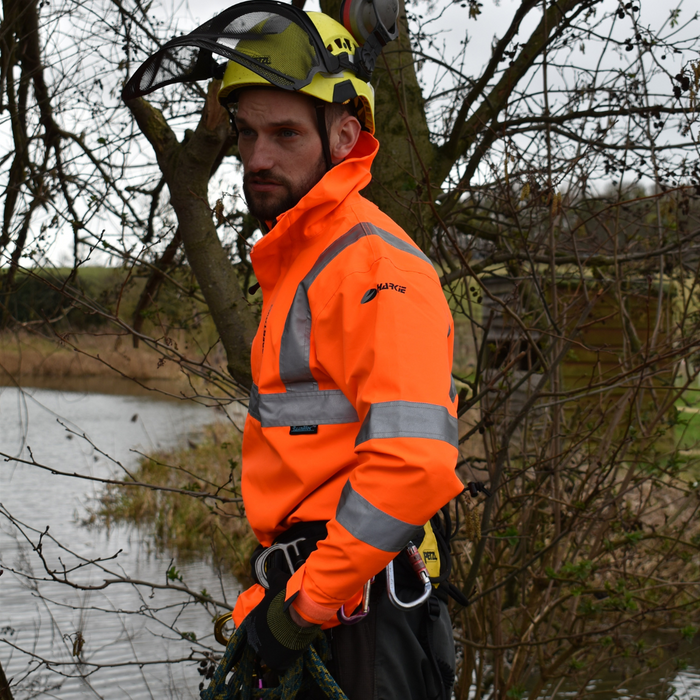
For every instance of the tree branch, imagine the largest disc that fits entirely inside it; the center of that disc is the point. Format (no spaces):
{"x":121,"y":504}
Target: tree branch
{"x":466,"y":130}
{"x":587,"y":261}
{"x":187,"y":168}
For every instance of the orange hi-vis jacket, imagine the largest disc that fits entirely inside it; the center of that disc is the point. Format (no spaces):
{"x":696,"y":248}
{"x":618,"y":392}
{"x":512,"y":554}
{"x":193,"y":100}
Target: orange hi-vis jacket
{"x":352,"y":418}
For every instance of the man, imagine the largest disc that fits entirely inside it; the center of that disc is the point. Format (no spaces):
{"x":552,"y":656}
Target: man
{"x":350,"y":443}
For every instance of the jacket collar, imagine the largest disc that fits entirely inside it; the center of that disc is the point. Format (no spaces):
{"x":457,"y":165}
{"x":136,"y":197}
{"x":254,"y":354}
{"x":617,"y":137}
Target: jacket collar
{"x":296,"y":227}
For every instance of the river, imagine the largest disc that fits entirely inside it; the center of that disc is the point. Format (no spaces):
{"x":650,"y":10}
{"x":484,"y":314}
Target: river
{"x":39,"y":619}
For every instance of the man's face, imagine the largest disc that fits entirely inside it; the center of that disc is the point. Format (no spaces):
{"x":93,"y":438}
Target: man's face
{"x":280,"y":148}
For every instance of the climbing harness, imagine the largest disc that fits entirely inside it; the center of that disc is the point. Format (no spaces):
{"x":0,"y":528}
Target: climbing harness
{"x":421,"y":571}
{"x":245,"y":683}
{"x":289,"y":552}
{"x":219,"y":625}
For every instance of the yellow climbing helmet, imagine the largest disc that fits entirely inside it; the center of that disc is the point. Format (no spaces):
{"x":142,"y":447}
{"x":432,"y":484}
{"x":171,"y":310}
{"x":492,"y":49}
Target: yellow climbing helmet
{"x":290,"y":55}
{"x":268,"y":42}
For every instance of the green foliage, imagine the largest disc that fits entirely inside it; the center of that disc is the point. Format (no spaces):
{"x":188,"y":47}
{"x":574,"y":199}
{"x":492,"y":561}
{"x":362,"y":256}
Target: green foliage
{"x":50,"y":295}
{"x":688,"y":632}
{"x":516,"y":692}
{"x":577,"y":570}
{"x":511,"y":535}
{"x":173,"y":574}
{"x":633,"y":538}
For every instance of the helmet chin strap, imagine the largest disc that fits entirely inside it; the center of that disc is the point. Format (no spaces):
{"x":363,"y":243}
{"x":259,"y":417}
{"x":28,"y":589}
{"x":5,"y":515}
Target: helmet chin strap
{"x":323,"y":133}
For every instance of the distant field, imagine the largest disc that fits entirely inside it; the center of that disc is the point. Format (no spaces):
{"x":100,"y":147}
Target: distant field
{"x":88,"y":297}
{"x":64,"y":328}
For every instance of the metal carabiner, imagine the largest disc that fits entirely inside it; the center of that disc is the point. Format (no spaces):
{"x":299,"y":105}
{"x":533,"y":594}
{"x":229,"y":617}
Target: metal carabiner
{"x":284,"y":547}
{"x":219,"y":628}
{"x":422,"y":573}
{"x":357,"y":617}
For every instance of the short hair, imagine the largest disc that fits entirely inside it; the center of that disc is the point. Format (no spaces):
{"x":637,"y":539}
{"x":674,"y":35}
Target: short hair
{"x":336,"y":111}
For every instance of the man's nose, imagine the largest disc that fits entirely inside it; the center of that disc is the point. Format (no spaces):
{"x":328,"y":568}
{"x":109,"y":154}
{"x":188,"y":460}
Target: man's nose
{"x":261,"y":155}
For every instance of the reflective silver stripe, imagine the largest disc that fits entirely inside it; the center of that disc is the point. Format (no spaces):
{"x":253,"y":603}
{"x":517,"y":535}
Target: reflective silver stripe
{"x":254,"y":403}
{"x":301,"y":408}
{"x":453,"y":388}
{"x":373,"y":526}
{"x":296,"y":341}
{"x":352,"y":236}
{"x":296,"y":337}
{"x":408,"y":419}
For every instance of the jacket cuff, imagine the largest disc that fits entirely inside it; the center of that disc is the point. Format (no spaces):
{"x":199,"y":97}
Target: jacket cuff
{"x":308,"y":608}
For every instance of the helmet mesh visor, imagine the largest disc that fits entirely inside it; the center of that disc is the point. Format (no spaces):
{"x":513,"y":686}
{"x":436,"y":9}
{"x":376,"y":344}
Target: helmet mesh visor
{"x":275,"y":46}
{"x":168,"y":66}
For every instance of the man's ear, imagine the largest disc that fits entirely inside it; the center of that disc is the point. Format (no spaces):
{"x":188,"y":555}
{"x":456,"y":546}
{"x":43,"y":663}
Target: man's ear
{"x":343,"y":137}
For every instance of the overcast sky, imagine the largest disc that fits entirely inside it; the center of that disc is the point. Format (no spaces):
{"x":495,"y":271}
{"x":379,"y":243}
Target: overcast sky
{"x":455,"y":22}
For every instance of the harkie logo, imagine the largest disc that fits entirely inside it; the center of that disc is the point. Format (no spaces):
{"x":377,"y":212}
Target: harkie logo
{"x":371,"y":293}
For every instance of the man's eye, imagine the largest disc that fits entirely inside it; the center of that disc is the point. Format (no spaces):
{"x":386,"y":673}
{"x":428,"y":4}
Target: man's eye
{"x":246,"y":133}
{"x":287,"y":133}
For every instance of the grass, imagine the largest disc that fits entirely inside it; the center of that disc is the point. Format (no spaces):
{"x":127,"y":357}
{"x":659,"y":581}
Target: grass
{"x":189,"y":527}
{"x":688,"y":430}
{"x":97,"y":294}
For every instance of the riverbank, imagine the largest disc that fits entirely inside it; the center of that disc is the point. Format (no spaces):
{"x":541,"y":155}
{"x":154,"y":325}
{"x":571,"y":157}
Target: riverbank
{"x":107,"y":363}
{"x":188,"y":526}
{"x":104,"y":362}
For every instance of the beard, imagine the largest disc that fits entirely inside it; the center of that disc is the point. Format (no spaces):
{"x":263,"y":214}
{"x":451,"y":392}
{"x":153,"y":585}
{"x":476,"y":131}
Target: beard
{"x":267,"y":206}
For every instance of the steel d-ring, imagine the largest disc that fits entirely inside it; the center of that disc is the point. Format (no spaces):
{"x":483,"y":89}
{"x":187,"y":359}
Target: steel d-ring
{"x":260,"y":562}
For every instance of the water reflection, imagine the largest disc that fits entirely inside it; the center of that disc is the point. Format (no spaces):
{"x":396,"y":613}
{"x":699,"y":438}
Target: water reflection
{"x":631,"y":678}
{"x":92,"y":435}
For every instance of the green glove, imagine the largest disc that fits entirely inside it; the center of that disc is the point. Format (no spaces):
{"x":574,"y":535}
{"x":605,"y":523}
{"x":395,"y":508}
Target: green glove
{"x":272,"y":633}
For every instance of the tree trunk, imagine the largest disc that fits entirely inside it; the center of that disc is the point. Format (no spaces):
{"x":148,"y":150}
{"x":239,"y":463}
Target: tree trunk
{"x":5,"y":692}
{"x":398,"y":174}
{"x":187,"y":168}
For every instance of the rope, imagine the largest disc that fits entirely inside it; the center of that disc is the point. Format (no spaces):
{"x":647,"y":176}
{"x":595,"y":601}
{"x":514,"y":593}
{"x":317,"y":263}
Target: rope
{"x":239,"y":658}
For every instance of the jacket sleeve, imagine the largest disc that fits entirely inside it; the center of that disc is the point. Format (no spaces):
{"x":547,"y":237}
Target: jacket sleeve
{"x":388,"y":336}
